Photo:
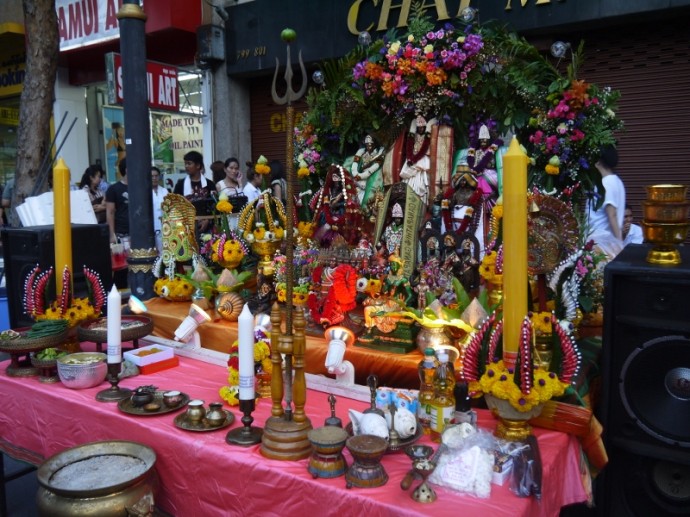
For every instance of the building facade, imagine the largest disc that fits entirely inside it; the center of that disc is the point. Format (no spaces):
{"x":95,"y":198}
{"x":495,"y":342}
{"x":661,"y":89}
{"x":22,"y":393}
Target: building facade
{"x":639,"y":48}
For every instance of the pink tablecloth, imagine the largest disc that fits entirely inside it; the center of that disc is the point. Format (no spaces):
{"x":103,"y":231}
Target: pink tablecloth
{"x":203,"y":476}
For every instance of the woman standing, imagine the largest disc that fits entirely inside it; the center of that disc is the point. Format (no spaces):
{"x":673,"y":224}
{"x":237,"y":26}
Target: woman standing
{"x":90,"y":182}
{"x":230,"y":185}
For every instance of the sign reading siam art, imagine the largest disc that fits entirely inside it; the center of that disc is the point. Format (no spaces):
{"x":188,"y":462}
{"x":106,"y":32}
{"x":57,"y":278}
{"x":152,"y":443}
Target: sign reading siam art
{"x":161,"y":83}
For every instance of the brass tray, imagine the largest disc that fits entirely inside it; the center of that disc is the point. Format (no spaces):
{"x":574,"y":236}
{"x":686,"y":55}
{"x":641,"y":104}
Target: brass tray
{"x":133,"y":327}
{"x":182,"y":422}
{"x":401,"y":443}
{"x":126,"y":405}
{"x":25,"y":344}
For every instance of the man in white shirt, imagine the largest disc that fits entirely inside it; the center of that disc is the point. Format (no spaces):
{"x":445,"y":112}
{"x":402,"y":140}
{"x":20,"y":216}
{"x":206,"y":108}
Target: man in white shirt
{"x":158,"y":194}
{"x":251,"y":189}
{"x":632,"y":233}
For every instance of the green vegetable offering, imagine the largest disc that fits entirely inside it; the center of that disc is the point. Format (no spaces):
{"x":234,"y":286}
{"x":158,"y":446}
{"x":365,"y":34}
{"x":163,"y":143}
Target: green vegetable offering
{"x":47,"y":328}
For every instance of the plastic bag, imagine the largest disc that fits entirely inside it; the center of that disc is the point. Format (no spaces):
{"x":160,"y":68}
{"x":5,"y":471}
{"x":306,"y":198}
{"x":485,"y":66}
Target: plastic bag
{"x":467,"y":466}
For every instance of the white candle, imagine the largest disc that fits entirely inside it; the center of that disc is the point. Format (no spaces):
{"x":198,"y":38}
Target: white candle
{"x":245,"y":336}
{"x":114,"y":327}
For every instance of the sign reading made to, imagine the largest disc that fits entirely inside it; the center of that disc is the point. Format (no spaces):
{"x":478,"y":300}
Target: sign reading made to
{"x":161,"y":83}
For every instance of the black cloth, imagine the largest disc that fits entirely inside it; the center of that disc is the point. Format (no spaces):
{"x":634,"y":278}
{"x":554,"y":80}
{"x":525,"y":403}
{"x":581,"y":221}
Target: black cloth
{"x":200,"y":196}
{"x":117,"y":193}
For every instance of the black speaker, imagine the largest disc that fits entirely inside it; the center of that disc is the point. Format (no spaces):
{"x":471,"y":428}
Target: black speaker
{"x":23,"y":248}
{"x":645,"y":404}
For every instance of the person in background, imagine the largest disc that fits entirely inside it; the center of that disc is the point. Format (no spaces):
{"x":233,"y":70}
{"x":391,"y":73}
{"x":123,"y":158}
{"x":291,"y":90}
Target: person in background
{"x":196,"y":187}
{"x":103,"y":185}
{"x":253,"y":187}
{"x":9,"y":212}
{"x":90,"y":181}
{"x":117,"y":206}
{"x":606,"y":221}
{"x":158,"y":193}
{"x":632,"y":233}
{"x":117,"y":216}
{"x":278,"y":182}
{"x":217,"y":171}
{"x":230,"y":184}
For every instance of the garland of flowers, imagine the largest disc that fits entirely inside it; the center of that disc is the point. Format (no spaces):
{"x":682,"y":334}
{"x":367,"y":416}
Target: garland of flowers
{"x":485,"y":159}
{"x":527,"y":386}
{"x":65,"y":307}
{"x":410,"y":155}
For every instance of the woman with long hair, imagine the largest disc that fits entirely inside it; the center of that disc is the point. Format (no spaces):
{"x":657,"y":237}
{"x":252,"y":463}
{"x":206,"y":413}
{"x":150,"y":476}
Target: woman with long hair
{"x":90,"y":182}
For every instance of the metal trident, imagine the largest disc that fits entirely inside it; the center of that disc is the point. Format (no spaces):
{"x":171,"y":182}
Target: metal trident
{"x":290,"y":95}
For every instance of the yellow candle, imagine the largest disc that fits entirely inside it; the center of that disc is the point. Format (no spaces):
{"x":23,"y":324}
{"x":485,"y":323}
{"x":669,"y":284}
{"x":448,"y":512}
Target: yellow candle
{"x":63,"y":227}
{"x":514,"y":248}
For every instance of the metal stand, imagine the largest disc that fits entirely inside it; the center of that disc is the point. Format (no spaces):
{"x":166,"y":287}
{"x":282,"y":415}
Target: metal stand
{"x":114,"y":393}
{"x":247,"y":435}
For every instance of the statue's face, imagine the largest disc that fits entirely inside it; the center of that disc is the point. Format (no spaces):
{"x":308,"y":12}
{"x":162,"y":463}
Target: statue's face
{"x":484,"y":143}
{"x":395,"y":266}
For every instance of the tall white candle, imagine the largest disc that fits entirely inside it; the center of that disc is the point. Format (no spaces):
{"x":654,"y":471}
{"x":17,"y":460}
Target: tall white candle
{"x":245,"y":336}
{"x":114,"y":326}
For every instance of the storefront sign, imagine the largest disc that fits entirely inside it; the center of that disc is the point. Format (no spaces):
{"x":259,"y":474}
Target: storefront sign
{"x":161,"y":81}
{"x":12,"y":72}
{"x":327,"y":30}
{"x":85,"y":22}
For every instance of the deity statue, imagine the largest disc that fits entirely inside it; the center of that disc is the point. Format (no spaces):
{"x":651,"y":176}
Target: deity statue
{"x":396,"y":285}
{"x":484,"y":157}
{"x":392,"y":234}
{"x":366,"y":170}
{"x":463,"y":204}
{"x":417,"y":164}
{"x":336,"y":209}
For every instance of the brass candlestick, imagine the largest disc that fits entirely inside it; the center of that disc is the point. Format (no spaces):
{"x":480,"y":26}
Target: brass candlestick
{"x":286,"y":432}
{"x":115,"y":393}
{"x":247,"y":435}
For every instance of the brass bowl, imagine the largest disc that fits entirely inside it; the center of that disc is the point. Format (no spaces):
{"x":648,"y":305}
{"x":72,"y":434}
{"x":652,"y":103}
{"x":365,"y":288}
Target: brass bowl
{"x":657,"y":212}
{"x":667,"y":193}
{"x":665,"y":233}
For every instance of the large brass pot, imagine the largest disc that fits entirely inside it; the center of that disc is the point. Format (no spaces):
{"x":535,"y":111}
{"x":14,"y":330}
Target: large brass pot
{"x":121,"y":481}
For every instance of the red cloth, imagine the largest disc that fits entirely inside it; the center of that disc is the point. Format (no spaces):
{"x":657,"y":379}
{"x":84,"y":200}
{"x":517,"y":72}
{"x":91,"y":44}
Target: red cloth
{"x":202,"y":475}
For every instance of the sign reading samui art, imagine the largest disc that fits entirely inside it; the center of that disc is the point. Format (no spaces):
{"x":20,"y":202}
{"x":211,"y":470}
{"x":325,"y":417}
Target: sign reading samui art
{"x":161,"y":83}
{"x":86,"y":22}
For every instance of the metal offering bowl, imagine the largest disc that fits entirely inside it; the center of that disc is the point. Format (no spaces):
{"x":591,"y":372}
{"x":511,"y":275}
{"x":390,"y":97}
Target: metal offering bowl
{"x":419,"y":452}
{"x":665,"y":233}
{"x":82,"y":370}
{"x":657,"y":212}
{"x":667,"y":193}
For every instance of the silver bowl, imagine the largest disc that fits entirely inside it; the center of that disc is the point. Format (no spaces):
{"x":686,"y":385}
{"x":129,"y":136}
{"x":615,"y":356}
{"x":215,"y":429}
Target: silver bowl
{"x":82,"y":370}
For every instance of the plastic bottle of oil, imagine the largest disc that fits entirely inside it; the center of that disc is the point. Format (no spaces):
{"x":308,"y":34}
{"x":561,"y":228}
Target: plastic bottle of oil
{"x":427,"y":371}
{"x":443,"y":405}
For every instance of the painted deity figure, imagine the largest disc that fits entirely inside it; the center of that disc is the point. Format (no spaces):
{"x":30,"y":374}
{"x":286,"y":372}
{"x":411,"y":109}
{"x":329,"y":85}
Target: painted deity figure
{"x":366,"y":169}
{"x":393,"y":233}
{"x":415,"y":169}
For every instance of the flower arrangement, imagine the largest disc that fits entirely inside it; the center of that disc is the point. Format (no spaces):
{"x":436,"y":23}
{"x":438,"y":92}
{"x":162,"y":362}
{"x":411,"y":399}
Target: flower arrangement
{"x":304,"y":261}
{"x":566,"y":133}
{"x":226,"y":249}
{"x":263,"y":219}
{"x":420,"y":75}
{"x":65,"y":306}
{"x":525,"y":386}
{"x":578,"y":281}
{"x":262,"y":363}
{"x":173,"y":289}
{"x":261,"y":166}
{"x":307,"y":151}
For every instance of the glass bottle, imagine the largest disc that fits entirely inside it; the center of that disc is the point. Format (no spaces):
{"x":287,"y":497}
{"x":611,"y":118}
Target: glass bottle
{"x":463,"y":409}
{"x":427,"y":371}
{"x":443,"y":405}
